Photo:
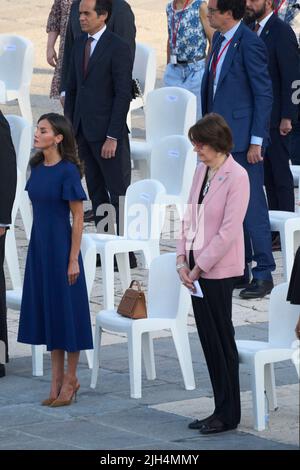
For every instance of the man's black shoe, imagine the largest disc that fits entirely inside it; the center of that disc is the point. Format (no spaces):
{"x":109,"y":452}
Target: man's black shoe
{"x":276,"y":244}
{"x":2,"y":370}
{"x":257,"y":289}
{"x":132,"y":261}
{"x":215,"y":426}
{"x":88,"y":216}
{"x":198,"y":423}
{"x":241,"y":282}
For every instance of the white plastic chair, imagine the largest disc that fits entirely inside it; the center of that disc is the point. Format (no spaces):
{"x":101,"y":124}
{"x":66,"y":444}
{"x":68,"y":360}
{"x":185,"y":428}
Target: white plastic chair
{"x":168,"y":111}
{"x":14,"y":296}
{"x":16,"y":68}
{"x":168,"y":307}
{"x":173,"y":163}
{"x":288,"y":225}
{"x":144,"y":69}
{"x":21,"y":137}
{"x":143,"y":221}
{"x":260,"y":356}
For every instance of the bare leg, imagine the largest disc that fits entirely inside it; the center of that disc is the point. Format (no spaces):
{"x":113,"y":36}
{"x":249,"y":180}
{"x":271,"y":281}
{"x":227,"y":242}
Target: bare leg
{"x":70,"y":383}
{"x":57,"y":359}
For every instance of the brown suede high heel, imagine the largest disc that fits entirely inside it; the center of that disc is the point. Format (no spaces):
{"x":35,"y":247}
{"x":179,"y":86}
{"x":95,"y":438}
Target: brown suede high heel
{"x":49,"y":400}
{"x":56,"y":403}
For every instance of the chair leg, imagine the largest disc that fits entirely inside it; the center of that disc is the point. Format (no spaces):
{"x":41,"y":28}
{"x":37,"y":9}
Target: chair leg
{"x":37,"y":360}
{"x":25,"y":106}
{"x":89,"y":357}
{"x":270,"y":386}
{"x":107,"y":264}
{"x":124,"y":269}
{"x":135,"y":364}
{"x":25,"y":211}
{"x":148,"y":355}
{"x":182,"y":345}
{"x":258,"y":399}
{"x":96,"y":358}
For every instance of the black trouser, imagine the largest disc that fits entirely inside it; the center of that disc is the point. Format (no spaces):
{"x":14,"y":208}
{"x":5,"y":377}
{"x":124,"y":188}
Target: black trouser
{"x":216,"y":333}
{"x":278,"y":176}
{"x":107,"y":179}
{"x":3,"y":315}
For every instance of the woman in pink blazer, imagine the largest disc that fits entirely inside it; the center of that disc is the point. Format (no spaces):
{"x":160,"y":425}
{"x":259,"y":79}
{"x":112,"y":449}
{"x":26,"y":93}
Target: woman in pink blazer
{"x":211,"y":251}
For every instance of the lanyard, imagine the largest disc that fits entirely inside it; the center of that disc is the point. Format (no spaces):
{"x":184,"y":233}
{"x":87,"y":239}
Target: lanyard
{"x":279,"y":6}
{"x":215,"y":62}
{"x":174,"y":33}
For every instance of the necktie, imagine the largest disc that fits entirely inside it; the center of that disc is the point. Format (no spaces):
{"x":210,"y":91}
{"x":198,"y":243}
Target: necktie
{"x":256,"y":27}
{"x":87,"y":54}
{"x":211,"y":77}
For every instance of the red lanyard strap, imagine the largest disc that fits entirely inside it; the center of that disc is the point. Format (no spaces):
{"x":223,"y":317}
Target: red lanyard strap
{"x":216,"y":60}
{"x":174,"y":33}
{"x":279,"y":6}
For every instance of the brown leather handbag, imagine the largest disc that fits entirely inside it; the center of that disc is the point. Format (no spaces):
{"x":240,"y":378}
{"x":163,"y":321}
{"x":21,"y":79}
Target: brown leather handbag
{"x":133,"y":303}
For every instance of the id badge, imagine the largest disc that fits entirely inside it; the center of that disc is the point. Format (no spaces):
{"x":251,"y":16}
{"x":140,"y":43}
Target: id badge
{"x":173,"y":59}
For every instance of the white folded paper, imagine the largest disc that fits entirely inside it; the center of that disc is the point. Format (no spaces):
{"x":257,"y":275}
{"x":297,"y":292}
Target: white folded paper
{"x":198,"y":292}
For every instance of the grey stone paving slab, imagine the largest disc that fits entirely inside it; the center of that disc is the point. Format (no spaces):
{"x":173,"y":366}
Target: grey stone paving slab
{"x":86,"y":434}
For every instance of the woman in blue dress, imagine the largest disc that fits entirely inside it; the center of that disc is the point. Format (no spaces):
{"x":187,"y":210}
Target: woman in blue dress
{"x":55,"y":307}
{"x":188,"y":34}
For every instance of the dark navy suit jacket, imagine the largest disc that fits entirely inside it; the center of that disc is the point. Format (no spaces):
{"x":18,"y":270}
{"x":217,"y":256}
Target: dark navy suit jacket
{"x":244,"y":91}
{"x":8,"y":172}
{"x":121,"y":23}
{"x":282,"y":46}
{"x":100,"y":101}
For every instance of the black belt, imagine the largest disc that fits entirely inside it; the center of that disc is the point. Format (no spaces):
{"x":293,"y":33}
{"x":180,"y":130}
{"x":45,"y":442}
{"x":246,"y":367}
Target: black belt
{"x":185,"y":62}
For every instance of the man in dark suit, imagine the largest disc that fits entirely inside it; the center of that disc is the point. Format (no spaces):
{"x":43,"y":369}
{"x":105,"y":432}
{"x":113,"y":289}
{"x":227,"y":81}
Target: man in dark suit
{"x":98,"y":95}
{"x":282,"y":46}
{"x":121,"y":22}
{"x":236,"y":84}
{"x":8,"y":181}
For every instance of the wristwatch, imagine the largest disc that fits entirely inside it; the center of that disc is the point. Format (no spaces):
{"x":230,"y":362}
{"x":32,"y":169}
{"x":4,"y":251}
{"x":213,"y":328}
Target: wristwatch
{"x":180,"y":265}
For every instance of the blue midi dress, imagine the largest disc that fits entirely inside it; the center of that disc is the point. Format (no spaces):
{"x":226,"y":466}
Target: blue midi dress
{"x":53,"y":312}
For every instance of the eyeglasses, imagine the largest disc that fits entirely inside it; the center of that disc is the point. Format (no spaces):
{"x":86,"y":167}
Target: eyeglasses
{"x":212,"y":11}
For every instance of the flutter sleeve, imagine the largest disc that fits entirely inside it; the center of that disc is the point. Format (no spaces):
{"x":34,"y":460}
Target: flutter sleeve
{"x":72,"y":188}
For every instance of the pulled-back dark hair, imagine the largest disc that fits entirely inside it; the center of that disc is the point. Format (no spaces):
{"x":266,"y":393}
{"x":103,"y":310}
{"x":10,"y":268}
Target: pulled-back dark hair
{"x":103,"y":6}
{"x":67,"y":148}
{"x":237,"y":7}
{"x":212,"y":130}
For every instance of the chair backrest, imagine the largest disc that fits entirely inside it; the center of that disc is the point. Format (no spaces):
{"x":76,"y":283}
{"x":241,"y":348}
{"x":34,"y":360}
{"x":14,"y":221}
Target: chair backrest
{"x":173,"y":163}
{"x":88,"y":253}
{"x":21,"y":137}
{"x":167,"y":297}
{"x":16,"y":61}
{"x":143,"y":213}
{"x":282,"y":318}
{"x":169,"y":111}
{"x":144,"y":67}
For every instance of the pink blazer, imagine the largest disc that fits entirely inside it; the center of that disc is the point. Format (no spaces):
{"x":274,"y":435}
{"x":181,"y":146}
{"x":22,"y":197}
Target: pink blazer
{"x":214,"y":230}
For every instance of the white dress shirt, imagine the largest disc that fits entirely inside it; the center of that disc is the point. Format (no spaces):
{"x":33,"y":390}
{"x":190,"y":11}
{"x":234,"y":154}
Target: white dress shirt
{"x":263,"y":23}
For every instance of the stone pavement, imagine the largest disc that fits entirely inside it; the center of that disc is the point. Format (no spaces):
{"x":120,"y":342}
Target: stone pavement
{"x":106,"y":418}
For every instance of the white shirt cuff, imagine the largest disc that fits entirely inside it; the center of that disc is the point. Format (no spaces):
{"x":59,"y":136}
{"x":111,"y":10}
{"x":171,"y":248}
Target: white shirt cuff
{"x":256,"y":140}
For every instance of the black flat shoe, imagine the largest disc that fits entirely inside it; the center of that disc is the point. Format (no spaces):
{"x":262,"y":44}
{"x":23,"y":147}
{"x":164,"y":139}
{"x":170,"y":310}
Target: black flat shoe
{"x":2,"y":370}
{"x":198,"y":423}
{"x":257,"y":289}
{"x":88,"y":216}
{"x":241,"y":282}
{"x":214,"y":426}
{"x":132,"y":262}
